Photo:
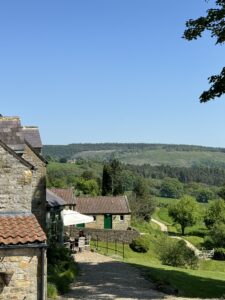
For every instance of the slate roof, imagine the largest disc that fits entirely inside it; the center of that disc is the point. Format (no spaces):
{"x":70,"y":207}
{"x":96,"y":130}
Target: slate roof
{"x":65,"y":194}
{"x":54,"y":200}
{"x":20,"y":228}
{"x":14,"y":135}
{"x":11,"y":133}
{"x":103,"y":205}
{"x":32,"y":135}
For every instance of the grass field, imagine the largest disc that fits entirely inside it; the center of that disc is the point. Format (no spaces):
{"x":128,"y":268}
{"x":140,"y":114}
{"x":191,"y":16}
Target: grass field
{"x":158,"y":157}
{"x":194,"y":234}
{"x":208,"y":281}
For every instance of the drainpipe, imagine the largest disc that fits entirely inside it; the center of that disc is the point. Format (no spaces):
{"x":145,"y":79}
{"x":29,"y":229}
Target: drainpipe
{"x":43,"y":273}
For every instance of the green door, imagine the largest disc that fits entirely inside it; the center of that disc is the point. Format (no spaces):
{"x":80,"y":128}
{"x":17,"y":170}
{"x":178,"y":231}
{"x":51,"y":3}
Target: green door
{"x":80,"y":225}
{"x":107,"y":221}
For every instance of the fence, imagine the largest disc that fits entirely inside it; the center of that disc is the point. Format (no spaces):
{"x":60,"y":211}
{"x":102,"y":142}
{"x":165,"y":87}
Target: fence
{"x":109,"y":245}
{"x":206,"y":254}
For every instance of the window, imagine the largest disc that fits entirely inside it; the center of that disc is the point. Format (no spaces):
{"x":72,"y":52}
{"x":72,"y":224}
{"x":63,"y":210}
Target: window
{"x":121,"y":218}
{"x":94,"y":217}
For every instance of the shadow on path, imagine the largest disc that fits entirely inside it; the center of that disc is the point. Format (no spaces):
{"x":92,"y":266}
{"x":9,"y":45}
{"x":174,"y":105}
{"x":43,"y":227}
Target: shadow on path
{"x":111,"y":280}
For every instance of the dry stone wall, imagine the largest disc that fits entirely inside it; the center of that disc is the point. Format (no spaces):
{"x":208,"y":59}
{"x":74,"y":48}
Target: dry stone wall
{"x":121,"y":236}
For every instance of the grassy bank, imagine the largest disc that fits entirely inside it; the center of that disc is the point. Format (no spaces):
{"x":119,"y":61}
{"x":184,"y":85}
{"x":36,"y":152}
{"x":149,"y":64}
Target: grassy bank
{"x":207,"y":281}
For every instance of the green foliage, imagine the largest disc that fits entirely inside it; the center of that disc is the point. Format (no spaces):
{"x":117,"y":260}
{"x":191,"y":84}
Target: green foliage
{"x":221,"y":192}
{"x":141,"y":202}
{"x":171,"y":188}
{"x":112,"y":181}
{"x":219,"y":254}
{"x":215,"y":213}
{"x":217,"y":234}
{"x":175,"y":253}
{"x":185,"y":212}
{"x":214,"y":22}
{"x":62,"y":269}
{"x":204,"y":195}
{"x":87,"y":187}
{"x":140,"y":244}
{"x":52,"y":292}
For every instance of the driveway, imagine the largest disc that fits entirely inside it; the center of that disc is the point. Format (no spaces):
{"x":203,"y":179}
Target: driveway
{"x":103,"y":278}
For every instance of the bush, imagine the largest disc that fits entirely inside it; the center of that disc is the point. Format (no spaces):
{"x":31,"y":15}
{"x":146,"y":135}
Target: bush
{"x":52,"y":291}
{"x":217,"y":234}
{"x":219,"y":254}
{"x":140,"y":244}
{"x":176,"y":253}
{"x":62,"y":270}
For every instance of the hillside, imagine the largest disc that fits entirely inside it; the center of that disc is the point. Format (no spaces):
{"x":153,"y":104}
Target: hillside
{"x":139,"y":154}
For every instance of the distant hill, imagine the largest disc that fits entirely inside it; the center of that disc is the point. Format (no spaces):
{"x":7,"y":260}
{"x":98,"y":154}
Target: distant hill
{"x":140,"y":154}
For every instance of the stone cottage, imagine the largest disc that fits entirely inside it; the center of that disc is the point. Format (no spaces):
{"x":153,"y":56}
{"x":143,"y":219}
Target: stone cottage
{"x":22,"y":213}
{"x":26,"y":143}
{"x":108,"y":212}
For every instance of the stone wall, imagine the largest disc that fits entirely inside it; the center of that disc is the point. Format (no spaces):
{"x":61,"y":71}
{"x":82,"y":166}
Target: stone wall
{"x":125,"y":236}
{"x":117,"y":223}
{"x":98,"y":224}
{"x":25,"y":283}
{"x":15,"y":182}
{"x":38,"y":185}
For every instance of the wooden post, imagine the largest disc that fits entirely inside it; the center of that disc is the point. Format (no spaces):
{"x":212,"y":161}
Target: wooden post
{"x":97,"y":242}
{"x":107,"y":243}
{"x":123,"y":250}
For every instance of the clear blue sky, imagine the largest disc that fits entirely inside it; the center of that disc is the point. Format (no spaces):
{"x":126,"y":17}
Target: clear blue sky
{"x":109,"y":71}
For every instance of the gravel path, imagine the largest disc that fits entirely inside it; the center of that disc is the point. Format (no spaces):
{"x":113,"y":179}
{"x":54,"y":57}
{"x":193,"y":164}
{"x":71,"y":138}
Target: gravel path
{"x":103,"y":278}
{"x":164,"y":228}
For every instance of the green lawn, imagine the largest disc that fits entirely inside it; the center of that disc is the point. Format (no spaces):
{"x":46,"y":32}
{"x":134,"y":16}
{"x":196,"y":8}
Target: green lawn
{"x":194,"y":234}
{"x":207,"y":281}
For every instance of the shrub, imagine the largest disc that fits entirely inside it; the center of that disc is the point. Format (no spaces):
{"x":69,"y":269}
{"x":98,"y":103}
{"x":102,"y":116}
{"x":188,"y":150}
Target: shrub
{"x":140,"y":244}
{"x":176,"y":253}
{"x":217,"y":234}
{"x":62,"y":270}
{"x":52,"y":291}
{"x":219,"y":254}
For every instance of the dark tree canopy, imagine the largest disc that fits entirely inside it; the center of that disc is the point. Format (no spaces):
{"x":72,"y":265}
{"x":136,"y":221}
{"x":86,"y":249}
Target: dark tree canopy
{"x":214,"y":21}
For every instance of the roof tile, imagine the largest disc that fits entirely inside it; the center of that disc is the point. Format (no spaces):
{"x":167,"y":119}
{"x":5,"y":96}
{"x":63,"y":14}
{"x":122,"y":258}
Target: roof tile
{"x":65,"y":194}
{"x":103,"y":205}
{"x":20,"y":229}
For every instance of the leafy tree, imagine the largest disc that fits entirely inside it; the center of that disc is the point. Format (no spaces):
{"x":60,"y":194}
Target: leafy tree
{"x":112,"y":180}
{"x":221,"y":192}
{"x":214,"y":21}
{"x":184,"y":212}
{"x":142,"y":203}
{"x":171,"y":188}
{"x":88,"y":174}
{"x":175,"y":253}
{"x":63,"y":160}
{"x":87,"y":187}
{"x":215,"y":213}
{"x":217,"y":234}
{"x":204,"y":195}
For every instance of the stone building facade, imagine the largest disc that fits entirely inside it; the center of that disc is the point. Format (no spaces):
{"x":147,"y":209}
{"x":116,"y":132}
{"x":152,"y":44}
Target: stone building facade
{"x":22,"y":214}
{"x":24,"y":264}
{"x":108,"y":212}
